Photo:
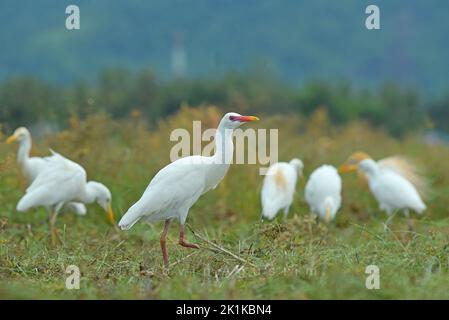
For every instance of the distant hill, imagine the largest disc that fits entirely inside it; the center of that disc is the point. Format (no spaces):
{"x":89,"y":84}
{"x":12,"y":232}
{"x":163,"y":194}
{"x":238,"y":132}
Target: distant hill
{"x":297,"y":40}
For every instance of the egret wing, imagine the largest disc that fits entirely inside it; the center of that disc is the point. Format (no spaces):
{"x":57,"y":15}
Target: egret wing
{"x":407,"y":169}
{"x":175,"y":188}
{"x":61,"y":181}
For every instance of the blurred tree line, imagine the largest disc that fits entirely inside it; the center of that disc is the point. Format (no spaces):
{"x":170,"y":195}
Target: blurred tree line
{"x":27,"y":101}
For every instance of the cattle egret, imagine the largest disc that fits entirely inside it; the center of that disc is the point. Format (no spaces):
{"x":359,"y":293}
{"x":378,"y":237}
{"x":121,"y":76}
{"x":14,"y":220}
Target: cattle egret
{"x":31,"y":166}
{"x":398,"y":164}
{"x":392,"y":191}
{"x":323,"y":192}
{"x":279,"y":187}
{"x":64,"y":181}
{"x":176,"y":187}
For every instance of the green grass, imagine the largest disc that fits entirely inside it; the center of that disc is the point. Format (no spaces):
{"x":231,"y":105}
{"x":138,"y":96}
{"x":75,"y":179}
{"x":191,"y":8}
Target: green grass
{"x":295,"y":259}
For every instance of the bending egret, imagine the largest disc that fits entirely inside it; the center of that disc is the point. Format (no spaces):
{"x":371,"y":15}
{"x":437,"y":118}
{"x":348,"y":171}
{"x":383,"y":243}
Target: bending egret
{"x":392,"y":191}
{"x":31,"y":166}
{"x":64,"y":181}
{"x":398,"y":164}
{"x":323,"y":192}
{"x":176,"y":187}
{"x":279,"y":187}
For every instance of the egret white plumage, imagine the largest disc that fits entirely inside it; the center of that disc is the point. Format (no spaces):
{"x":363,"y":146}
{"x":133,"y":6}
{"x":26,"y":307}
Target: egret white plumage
{"x":392,"y":191}
{"x":323,"y":192}
{"x":399,"y":164}
{"x":64,"y":181}
{"x":279,"y":187}
{"x":176,"y":187}
{"x":32,"y":166}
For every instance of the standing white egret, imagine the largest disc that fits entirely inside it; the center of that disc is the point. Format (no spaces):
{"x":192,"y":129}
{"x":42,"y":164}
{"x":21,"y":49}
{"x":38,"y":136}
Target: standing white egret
{"x":399,"y":164}
{"x":323,"y":192}
{"x":32,"y":166}
{"x":279,"y":187}
{"x":64,"y":181}
{"x":176,"y":187}
{"x":392,"y":191}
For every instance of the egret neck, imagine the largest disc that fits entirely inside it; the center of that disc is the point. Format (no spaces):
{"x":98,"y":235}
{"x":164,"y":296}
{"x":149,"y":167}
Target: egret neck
{"x":224,"y":147}
{"x":89,"y":193}
{"x":23,"y":154}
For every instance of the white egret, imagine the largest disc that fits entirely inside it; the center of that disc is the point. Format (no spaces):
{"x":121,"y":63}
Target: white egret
{"x":279,"y":187}
{"x":64,"y":181}
{"x":176,"y":187}
{"x":399,"y":164}
{"x":392,"y":191}
{"x":323,"y":192}
{"x":32,"y":166}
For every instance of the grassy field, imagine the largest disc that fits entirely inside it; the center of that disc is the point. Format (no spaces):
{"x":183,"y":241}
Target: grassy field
{"x":295,"y":259}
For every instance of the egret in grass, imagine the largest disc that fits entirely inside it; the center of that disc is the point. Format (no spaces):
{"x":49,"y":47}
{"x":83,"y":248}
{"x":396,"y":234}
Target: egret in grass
{"x":323,"y":192}
{"x":392,"y":191}
{"x":398,"y":164}
{"x":63,"y":181}
{"x":279,"y":187}
{"x":176,"y":187}
{"x":32,"y":166}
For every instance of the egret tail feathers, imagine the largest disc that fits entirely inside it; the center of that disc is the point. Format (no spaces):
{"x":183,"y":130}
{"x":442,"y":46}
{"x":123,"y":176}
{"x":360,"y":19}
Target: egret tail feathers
{"x":131,"y":217}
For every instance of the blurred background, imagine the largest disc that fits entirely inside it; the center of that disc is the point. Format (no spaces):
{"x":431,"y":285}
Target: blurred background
{"x":255,"y":56}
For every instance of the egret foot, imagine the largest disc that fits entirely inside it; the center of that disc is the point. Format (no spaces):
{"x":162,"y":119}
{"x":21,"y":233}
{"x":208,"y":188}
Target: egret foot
{"x":164,"y":243}
{"x":409,"y":220}
{"x":411,"y":225}
{"x":184,"y":243}
{"x":388,"y":222}
{"x":53,"y":230}
{"x":188,"y":245}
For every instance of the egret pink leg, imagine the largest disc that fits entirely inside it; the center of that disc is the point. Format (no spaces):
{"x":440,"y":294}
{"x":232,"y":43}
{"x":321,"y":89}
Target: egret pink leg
{"x":184,"y":243}
{"x":163,"y":242}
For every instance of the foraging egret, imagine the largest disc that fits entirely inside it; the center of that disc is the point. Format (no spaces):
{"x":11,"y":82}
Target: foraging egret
{"x":279,"y":187}
{"x":323,"y":192}
{"x":398,"y":164}
{"x":32,"y":166}
{"x":392,"y":191}
{"x":64,"y":181}
{"x":176,"y":187}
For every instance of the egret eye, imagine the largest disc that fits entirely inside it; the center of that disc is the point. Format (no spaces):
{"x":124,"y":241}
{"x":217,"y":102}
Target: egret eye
{"x":232,"y":118}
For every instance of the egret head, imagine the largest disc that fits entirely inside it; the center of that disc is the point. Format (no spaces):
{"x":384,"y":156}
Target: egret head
{"x":234,"y":120}
{"x":298,"y":165}
{"x":103,"y":197}
{"x":19,"y":135}
{"x":369,"y":166}
{"x":352,"y":163}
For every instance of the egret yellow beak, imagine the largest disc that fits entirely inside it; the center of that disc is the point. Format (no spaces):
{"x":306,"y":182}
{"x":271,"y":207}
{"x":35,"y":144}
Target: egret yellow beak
{"x":246,"y":118}
{"x":345,"y":168}
{"x":327,"y":217}
{"x":111,"y":215}
{"x":11,"y":139}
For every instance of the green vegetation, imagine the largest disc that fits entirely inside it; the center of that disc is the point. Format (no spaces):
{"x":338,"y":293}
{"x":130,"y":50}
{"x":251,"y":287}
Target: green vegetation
{"x":296,"y":259}
{"x":119,"y":93}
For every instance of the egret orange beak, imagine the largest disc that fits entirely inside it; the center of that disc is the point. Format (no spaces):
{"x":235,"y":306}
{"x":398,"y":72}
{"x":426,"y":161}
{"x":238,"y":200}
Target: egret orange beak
{"x":11,"y":139}
{"x":345,"y":168}
{"x":245,"y":118}
{"x":111,"y":215}
{"x":327,"y":217}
